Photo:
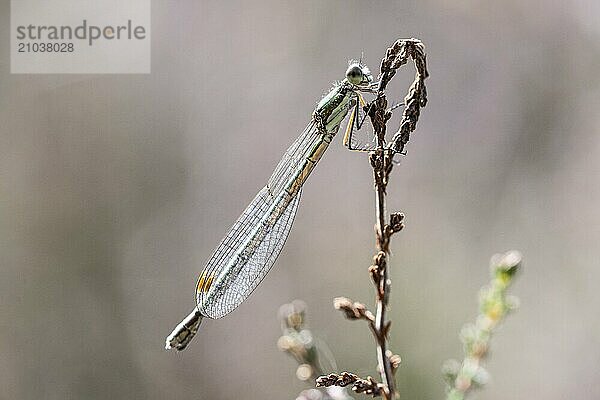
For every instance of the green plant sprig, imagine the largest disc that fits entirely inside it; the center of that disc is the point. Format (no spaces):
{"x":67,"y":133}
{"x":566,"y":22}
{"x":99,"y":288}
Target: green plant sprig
{"x":494,"y":306}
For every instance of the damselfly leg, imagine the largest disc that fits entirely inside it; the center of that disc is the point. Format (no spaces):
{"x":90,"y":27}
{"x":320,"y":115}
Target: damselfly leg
{"x":356,"y":121}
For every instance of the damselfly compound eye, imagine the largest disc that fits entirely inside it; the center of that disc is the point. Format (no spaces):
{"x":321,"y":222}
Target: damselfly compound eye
{"x":354,"y":74}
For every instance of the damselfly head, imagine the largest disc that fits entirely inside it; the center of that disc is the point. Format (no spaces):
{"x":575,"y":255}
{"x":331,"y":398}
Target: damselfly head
{"x":358,"y":74}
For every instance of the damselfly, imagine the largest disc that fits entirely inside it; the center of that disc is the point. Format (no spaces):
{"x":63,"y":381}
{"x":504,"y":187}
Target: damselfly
{"x":252,"y":245}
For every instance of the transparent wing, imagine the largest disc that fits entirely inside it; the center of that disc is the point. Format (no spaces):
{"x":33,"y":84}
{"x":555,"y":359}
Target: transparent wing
{"x":232,"y":241}
{"x":361,"y":140}
{"x":252,"y":271}
{"x":293,"y":158}
{"x":230,"y":294}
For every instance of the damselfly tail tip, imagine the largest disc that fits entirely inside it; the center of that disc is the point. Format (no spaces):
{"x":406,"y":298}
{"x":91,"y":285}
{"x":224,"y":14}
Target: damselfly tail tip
{"x":184,"y":332}
{"x":169,"y":343}
{"x":172,"y":342}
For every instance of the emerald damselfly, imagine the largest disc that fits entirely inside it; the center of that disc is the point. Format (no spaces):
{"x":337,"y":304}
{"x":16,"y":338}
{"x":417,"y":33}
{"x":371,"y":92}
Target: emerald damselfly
{"x":250,"y":248}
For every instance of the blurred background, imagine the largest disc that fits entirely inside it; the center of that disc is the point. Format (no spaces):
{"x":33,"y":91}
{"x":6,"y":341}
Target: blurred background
{"x":114,"y":190}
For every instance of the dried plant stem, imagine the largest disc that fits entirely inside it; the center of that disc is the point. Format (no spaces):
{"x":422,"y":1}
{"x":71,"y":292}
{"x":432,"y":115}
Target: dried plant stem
{"x":380,"y":271}
{"x":387,"y":377}
{"x":382,"y":163}
{"x":381,"y":160}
